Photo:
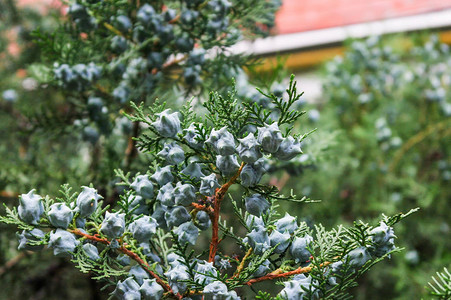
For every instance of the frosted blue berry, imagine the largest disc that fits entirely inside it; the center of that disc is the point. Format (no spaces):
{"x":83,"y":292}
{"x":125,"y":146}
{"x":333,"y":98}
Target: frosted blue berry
{"x":9,"y":95}
{"x":314,"y":114}
{"x":166,"y":195}
{"x":287,"y":223}
{"x":91,"y":251}
{"x":147,"y":251}
{"x":222,"y":263}
{"x":227,"y":164}
{"x":299,"y":288}
{"x":172,"y":154}
{"x":197,"y":56}
{"x":205,"y":272}
{"x":252,"y":173}
{"x":62,"y":242}
{"x":137,"y":205}
{"x":30,"y":207}
{"x":143,"y":186}
{"x":138,"y":273}
{"x":254,"y":221}
{"x":123,"y":259}
{"x":80,"y":222}
{"x":151,"y":290}
{"x":184,"y":43}
{"x":77,"y":11}
{"x":192,"y":137}
{"x":145,"y":14}
{"x":90,"y":134}
{"x":26,"y":236}
{"x":259,"y":240}
{"x":158,"y":214}
{"x":184,"y":194}
{"x":270,"y":137}
{"x":176,"y":277}
{"x":167,"y":124}
{"x":95,"y":107}
{"x":119,"y":44}
{"x":126,"y":286}
{"x":193,"y":170}
{"x":122,"y":23}
{"x":187,"y":233}
{"x":155,"y":60}
{"x":143,"y":228}
{"x":203,"y":220}
{"x":262,"y":269}
{"x":298,"y":248}
{"x":283,"y":239}
{"x":132,"y":295}
{"x":163,"y":175}
{"x":176,"y":216}
{"x":188,"y":16}
{"x":174,"y":259}
{"x":383,"y":238}
{"x":382,"y":234}
{"x":87,"y":201}
{"x":256,"y":204}
{"x":60,"y":215}
{"x":170,"y":14}
{"x":358,"y":257}
{"x":222,"y":141}
{"x":208,"y":185}
{"x":249,"y":149}
{"x":215,"y":290}
{"x":121,"y":93}
{"x":191,"y":74}
{"x":113,"y":226}
{"x":288,"y":149}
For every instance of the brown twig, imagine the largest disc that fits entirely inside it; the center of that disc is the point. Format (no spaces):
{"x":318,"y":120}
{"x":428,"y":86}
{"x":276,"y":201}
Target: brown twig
{"x":133,"y":256}
{"x":217,"y":198}
{"x":199,"y":207}
{"x":12,"y":262}
{"x":7,"y":194}
{"x":241,"y":265}
{"x":170,"y":63}
{"x":280,"y":274}
{"x":177,"y":17}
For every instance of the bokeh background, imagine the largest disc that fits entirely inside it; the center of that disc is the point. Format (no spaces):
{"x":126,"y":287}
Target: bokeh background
{"x":376,"y":76}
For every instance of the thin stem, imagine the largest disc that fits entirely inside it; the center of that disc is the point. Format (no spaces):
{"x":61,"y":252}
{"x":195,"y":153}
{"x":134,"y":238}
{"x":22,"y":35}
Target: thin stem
{"x":280,"y":274}
{"x":217,"y":198}
{"x":133,"y":256}
{"x":241,"y":266}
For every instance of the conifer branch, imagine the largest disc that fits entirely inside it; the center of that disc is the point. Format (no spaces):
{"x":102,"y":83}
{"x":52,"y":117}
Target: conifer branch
{"x":279,"y":273}
{"x":133,"y":256}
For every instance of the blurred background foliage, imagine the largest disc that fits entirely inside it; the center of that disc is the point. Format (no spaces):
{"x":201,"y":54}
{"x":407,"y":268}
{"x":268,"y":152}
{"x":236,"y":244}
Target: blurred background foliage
{"x":381,"y":146}
{"x":385,"y":113}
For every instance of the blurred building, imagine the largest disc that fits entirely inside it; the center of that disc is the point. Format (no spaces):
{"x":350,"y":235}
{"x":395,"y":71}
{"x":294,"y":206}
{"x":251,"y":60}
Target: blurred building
{"x":309,"y":32}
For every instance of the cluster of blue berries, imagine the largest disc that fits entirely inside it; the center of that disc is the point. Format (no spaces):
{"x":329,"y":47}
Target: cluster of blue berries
{"x":177,"y":200}
{"x":78,"y":77}
{"x":10,"y":95}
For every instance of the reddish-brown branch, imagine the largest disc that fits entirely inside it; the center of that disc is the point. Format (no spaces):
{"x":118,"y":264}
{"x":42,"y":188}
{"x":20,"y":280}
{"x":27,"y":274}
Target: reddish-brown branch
{"x":170,"y":63}
{"x":12,"y":262}
{"x":241,"y":265}
{"x":133,"y":256}
{"x":217,"y":198}
{"x":199,"y":207}
{"x":177,"y":17}
{"x":280,"y":274}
